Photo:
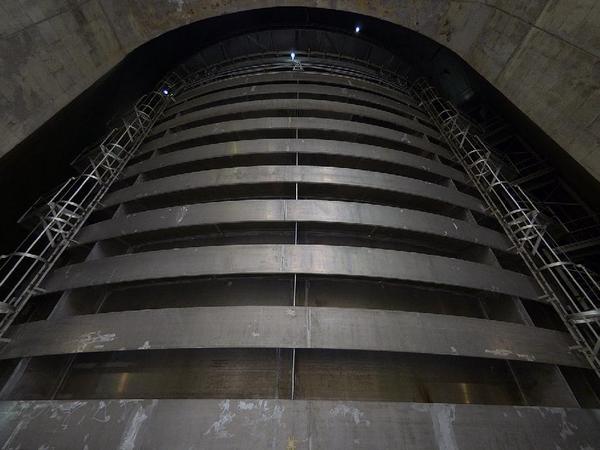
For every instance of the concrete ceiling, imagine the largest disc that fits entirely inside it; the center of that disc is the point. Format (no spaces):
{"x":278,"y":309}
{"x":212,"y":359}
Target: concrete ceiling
{"x":543,"y":55}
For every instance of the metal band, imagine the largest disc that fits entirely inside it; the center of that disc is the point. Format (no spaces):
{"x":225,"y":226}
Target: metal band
{"x":306,"y":259}
{"x":317,"y":108}
{"x":302,"y":146}
{"x":344,"y":95}
{"x":322,"y":211}
{"x":293,"y":77}
{"x":285,"y":327}
{"x":293,"y":174}
{"x":303,"y":124}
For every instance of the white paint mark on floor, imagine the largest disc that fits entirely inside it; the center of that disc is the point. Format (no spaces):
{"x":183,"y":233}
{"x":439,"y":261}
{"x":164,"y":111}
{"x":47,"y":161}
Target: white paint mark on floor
{"x":101,"y":413}
{"x":442,"y":418}
{"x":136,"y":422}
{"x":95,"y":339}
{"x":246,"y":406}
{"x":219,"y":426}
{"x":182,"y":213}
{"x":506,"y":353}
{"x":344,"y":410}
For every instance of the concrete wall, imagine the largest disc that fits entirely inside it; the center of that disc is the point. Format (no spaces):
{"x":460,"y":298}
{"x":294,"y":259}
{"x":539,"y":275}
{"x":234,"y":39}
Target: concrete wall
{"x":544,"y":55}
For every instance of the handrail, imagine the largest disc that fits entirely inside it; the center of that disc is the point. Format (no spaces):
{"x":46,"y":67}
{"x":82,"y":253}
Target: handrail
{"x":571,"y":288}
{"x":59,"y":216}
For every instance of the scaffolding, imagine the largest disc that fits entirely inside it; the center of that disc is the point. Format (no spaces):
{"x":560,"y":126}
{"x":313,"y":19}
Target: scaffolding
{"x":571,"y":288}
{"x":58,"y":216}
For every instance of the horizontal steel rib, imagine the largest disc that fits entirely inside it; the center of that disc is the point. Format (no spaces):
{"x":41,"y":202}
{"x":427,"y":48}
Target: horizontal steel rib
{"x":302,"y":124}
{"x":355,"y":113}
{"x":305,"y":259}
{"x":293,"y":174}
{"x":285,"y":327}
{"x":301,"y":146}
{"x":344,"y":94}
{"x":319,"y":211}
{"x":327,"y":80}
{"x":248,"y":105}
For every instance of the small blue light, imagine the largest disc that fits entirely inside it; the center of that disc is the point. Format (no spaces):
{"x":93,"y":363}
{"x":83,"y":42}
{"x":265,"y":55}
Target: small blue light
{"x":293,"y":55}
{"x":357,"y":29}
{"x":165,"y":91}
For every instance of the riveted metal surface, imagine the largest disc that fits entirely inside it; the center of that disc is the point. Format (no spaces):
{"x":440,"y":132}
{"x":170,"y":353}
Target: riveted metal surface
{"x":308,"y":259}
{"x":292,"y":211}
{"x":293,"y":174}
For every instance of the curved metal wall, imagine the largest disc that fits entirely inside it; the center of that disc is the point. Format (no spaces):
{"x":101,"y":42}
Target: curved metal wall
{"x":316,"y":221}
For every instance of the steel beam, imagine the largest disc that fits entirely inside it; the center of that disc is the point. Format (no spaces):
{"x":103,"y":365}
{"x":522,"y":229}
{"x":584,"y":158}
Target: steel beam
{"x":302,"y":77}
{"x":344,"y":94}
{"x":291,"y":327}
{"x":317,"y":211}
{"x":359,"y":152}
{"x":294,"y":174}
{"x":308,"y":107}
{"x":303,"y":124}
{"x":304,"y":259}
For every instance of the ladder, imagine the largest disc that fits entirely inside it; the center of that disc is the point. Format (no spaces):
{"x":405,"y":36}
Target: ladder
{"x":58,"y":216}
{"x":571,"y":288}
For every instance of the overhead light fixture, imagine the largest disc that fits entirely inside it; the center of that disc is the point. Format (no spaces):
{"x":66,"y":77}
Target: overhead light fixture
{"x":165,"y":91}
{"x":357,"y":29}
{"x":293,"y":56}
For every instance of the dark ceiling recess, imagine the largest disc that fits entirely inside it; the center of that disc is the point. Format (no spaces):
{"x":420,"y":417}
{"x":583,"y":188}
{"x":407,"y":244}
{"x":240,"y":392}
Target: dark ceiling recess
{"x":42,"y":161}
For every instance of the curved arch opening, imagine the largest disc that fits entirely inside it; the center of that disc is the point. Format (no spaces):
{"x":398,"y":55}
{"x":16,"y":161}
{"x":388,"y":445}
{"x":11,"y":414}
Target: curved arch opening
{"x":85,"y":119}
